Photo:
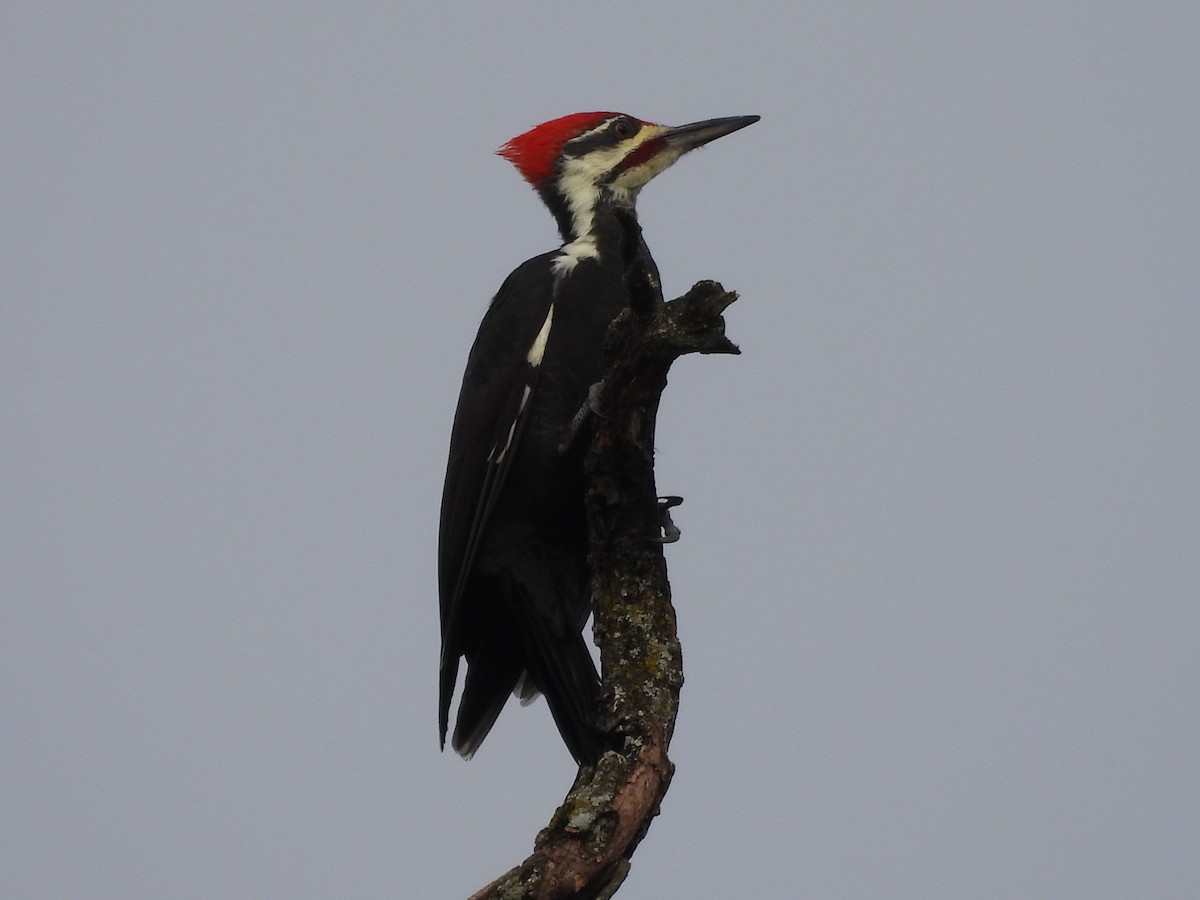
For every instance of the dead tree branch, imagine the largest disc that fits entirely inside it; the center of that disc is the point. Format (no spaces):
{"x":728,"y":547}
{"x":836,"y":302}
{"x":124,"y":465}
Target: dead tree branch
{"x":584,"y":852}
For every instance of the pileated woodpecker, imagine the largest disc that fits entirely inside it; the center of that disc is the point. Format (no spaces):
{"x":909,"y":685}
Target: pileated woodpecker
{"x":512,"y":556}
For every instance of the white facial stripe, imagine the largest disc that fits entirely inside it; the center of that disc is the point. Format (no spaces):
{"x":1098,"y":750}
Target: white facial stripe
{"x":581,"y":175}
{"x":538,"y":350}
{"x":595,"y":129}
{"x":628,"y":183}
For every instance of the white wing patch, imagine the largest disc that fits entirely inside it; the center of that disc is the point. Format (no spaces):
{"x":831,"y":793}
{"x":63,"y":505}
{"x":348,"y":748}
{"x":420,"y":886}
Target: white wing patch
{"x":534,"y":358}
{"x":492,"y":457}
{"x":538,"y":350}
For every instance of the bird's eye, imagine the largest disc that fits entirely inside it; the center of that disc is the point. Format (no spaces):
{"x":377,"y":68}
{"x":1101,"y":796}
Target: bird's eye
{"x":624,"y":128}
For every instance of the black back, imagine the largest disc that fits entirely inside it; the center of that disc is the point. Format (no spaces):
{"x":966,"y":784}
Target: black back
{"x":512,"y":565}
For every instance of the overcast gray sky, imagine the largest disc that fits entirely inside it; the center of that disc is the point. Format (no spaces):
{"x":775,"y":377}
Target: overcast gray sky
{"x":937,"y":585}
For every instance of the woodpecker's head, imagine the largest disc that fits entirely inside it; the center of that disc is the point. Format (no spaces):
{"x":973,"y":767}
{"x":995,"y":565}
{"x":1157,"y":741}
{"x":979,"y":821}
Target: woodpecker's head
{"x":579,"y":161}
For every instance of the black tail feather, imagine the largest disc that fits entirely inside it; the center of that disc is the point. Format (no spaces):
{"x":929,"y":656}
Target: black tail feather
{"x":517,"y":648}
{"x":562,"y":668}
{"x":489,"y":683}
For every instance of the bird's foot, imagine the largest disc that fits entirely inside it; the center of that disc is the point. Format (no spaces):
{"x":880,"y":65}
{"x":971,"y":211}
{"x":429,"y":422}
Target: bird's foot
{"x":591,"y":406}
{"x":670,"y":531}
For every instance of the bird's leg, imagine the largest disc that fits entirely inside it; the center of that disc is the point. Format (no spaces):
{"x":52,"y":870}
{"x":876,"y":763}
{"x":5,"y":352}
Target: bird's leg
{"x":591,"y":406}
{"x":670,"y":530}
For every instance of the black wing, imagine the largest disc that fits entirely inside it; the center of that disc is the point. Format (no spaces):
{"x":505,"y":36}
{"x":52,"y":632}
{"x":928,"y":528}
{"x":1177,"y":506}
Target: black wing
{"x":493,"y":407}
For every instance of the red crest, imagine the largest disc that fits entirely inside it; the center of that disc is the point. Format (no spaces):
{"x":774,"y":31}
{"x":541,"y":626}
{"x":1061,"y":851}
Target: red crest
{"x":535,"y":152}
